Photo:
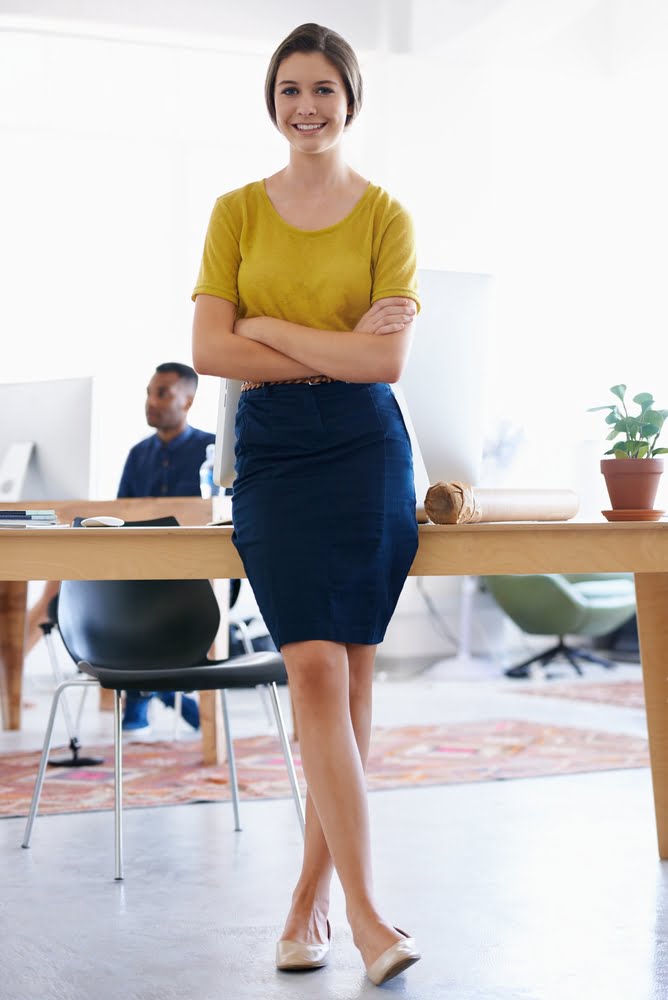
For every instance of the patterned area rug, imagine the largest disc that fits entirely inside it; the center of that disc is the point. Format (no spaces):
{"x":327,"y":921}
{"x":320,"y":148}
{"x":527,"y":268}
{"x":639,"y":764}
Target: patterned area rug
{"x":159,"y":774}
{"x":624,"y":694}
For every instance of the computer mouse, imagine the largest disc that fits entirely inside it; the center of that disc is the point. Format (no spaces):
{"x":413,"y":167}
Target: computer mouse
{"x":102,"y":521}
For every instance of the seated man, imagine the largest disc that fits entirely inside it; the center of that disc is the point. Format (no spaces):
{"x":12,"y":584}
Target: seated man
{"x":165,"y":464}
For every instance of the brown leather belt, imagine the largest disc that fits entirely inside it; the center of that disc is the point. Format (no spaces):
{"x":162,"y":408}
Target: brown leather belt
{"x":313,"y":380}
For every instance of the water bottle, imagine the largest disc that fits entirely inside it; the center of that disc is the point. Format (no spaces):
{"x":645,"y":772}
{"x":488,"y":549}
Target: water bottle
{"x":207,"y":486}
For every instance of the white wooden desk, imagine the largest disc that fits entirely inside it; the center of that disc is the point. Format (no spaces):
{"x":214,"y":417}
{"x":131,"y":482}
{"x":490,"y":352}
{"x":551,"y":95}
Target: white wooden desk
{"x":482,"y":549}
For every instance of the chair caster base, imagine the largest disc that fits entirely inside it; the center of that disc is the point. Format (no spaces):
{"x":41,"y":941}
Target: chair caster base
{"x":75,"y":760}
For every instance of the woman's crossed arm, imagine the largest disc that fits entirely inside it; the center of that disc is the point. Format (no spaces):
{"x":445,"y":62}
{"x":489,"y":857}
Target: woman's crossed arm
{"x":266,"y":349}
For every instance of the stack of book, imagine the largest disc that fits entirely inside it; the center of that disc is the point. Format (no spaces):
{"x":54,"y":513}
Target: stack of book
{"x":27,"y":518}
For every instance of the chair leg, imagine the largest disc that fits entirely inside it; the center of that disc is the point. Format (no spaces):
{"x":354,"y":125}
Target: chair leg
{"x":73,"y":728}
{"x":570,"y":655}
{"x":39,"y":781}
{"x":118,"y":787}
{"x":561,"y":649}
{"x":522,"y":669}
{"x":178,"y":703}
{"x":82,"y":702}
{"x":266,"y":704}
{"x":58,"y":674}
{"x":244,"y":635}
{"x":231,"y":763}
{"x":287,"y":753}
{"x":603,"y":661}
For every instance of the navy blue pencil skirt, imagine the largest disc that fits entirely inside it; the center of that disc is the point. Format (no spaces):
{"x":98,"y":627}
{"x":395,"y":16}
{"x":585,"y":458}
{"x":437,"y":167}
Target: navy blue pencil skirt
{"x":324,"y":508}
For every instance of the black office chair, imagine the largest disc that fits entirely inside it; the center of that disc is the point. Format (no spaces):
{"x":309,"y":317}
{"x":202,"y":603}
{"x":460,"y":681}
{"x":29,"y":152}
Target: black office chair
{"x":240,"y":640}
{"x":153,"y":635}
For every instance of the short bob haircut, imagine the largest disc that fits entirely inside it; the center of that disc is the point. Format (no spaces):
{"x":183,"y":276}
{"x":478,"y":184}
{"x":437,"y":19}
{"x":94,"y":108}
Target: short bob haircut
{"x":316,"y":38}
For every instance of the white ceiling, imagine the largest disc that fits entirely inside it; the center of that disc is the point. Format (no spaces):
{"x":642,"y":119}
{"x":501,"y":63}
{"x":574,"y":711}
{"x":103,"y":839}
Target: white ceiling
{"x":371,"y":25}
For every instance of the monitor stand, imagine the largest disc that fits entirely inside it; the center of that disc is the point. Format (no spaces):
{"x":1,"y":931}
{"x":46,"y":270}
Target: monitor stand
{"x":13,"y":471}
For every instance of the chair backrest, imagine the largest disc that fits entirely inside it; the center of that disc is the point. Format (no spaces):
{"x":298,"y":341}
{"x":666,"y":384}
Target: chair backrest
{"x":553,"y":604}
{"x":138,"y":624}
{"x":541,"y":604}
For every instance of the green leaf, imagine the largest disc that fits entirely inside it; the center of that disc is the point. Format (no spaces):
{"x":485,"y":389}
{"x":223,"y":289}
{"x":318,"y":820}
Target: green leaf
{"x":644,"y":400}
{"x":639,"y":433}
{"x":629,"y":426}
{"x":654,"y":417}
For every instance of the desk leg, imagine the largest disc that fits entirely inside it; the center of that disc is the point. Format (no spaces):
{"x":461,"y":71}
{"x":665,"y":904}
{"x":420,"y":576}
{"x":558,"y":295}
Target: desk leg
{"x":210,"y":707}
{"x":106,"y":700}
{"x":652,"y":600}
{"x":211,"y":723}
{"x":13,"y":596}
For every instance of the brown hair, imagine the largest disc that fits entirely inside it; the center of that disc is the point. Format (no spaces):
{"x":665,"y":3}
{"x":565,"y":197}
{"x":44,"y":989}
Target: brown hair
{"x":316,"y":38}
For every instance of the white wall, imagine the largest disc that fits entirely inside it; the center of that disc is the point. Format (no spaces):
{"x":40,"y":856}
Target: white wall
{"x":526,"y":137}
{"x":113,"y":154}
{"x":536,"y":141}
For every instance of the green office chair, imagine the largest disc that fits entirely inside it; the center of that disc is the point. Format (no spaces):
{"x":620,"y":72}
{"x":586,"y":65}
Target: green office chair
{"x":556,"y":604}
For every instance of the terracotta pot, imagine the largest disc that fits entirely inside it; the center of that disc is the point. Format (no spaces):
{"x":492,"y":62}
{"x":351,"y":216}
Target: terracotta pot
{"x":632,"y":482}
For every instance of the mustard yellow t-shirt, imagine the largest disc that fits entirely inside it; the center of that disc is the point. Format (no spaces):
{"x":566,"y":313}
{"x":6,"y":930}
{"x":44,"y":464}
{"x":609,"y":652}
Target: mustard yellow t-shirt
{"x":324,"y":278}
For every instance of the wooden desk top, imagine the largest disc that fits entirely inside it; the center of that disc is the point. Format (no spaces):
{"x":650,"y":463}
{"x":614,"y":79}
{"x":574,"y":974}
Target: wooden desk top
{"x":461,"y":550}
{"x":444,"y":550}
{"x":187,"y":510}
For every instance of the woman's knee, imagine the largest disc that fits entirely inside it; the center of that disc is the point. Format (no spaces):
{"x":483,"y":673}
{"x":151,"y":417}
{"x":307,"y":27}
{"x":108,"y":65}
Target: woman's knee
{"x":360,"y":664}
{"x":315,"y":668}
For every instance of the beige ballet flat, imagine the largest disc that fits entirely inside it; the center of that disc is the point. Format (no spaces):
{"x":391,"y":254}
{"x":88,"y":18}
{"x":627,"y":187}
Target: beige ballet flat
{"x":398,"y":957}
{"x":293,"y":955}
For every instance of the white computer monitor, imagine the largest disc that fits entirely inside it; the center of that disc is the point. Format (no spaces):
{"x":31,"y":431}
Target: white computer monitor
{"x":56,"y":417}
{"x":444,"y":381}
{"x":441,"y":392}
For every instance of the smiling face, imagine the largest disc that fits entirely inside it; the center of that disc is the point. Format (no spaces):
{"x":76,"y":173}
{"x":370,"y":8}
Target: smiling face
{"x":311,"y":102}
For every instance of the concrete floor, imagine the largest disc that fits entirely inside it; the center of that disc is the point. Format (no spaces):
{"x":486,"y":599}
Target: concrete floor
{"x":539,"y":889}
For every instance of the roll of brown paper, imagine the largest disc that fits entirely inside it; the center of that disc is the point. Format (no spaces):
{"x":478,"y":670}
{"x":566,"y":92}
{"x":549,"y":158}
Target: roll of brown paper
{"x":461,"y":503}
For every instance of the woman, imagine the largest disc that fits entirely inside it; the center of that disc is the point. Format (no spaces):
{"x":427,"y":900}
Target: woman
{"x":307,"y":291}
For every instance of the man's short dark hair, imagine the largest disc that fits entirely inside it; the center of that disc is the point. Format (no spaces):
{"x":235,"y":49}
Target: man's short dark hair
{"x":185,"y":372}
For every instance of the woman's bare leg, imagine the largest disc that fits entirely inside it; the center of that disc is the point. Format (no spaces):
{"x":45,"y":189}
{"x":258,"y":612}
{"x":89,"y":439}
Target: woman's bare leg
{"x":319,"y":683}
{"x":306,"y":921}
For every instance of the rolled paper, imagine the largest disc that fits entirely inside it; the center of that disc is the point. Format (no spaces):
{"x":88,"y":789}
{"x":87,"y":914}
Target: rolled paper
{"x":461,"y":503}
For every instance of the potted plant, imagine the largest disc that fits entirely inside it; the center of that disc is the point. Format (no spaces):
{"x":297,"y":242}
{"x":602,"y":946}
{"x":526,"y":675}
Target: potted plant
{"x":632,"y":474}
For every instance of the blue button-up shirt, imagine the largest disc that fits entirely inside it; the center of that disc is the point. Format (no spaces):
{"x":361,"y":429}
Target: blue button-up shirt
{"x":156,"y":469}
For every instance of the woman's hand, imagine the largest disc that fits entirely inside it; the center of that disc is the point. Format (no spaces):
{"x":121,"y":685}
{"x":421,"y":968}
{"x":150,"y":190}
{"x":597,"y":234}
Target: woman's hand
{"x":387,"y":316}
{"x":257,"y":328}
{"x":243,"y":328}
